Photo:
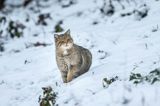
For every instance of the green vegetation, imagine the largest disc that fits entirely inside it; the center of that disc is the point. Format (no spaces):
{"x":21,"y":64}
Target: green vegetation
{"x":152,"y":77}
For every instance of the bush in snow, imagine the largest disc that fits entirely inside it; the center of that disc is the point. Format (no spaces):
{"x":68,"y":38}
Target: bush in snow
{"x":48,"y":98}
{"x":2,"y":22}
{"x":58,"y":27}
{"x":106,"y":82}
{"x":152,"y":77}
{"x":15,"y":29}
{"x":2,"y":4}
{"x":107,"y":8}
{"x":140,"y":13}
{"x":42,"y":19}
{"x":1,"y":47}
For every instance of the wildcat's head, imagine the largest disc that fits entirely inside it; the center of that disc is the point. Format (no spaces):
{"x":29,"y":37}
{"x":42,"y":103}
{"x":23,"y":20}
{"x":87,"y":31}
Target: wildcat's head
{"x":63,"y":41}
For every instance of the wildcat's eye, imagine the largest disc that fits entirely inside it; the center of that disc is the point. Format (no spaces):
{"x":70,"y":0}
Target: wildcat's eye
{"x":61,"y":43}
{"x":69,"y":41}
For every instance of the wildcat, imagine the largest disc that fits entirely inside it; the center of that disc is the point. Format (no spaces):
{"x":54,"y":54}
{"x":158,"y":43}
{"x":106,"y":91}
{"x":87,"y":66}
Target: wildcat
{"x":72,"y":60}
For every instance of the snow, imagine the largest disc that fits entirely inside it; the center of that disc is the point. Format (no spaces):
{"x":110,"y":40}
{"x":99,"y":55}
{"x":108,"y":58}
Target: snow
{"x":119,"y":45}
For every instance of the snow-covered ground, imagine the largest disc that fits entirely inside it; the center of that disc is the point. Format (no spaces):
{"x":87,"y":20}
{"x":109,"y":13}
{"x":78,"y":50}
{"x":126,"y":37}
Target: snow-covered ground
{"x":119,"y":45}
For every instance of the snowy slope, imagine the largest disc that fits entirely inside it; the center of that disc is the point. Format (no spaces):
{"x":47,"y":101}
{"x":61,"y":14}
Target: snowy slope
{"x":119,"y":45}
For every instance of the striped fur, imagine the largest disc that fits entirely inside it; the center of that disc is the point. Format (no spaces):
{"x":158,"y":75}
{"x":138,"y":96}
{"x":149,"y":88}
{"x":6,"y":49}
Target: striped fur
{"x":72,"y":60}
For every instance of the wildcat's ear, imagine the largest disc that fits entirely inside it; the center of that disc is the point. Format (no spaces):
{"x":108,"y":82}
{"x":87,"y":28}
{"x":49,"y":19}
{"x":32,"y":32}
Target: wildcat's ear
{"x":55,"y":36}
{"x":67,"y":32}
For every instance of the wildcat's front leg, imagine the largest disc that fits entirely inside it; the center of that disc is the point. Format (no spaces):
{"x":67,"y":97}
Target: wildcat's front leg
{"x":64,"y":76}
{"x":69,"y":76}
{"x":72,"y":73}
{"x":63,"y":68}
